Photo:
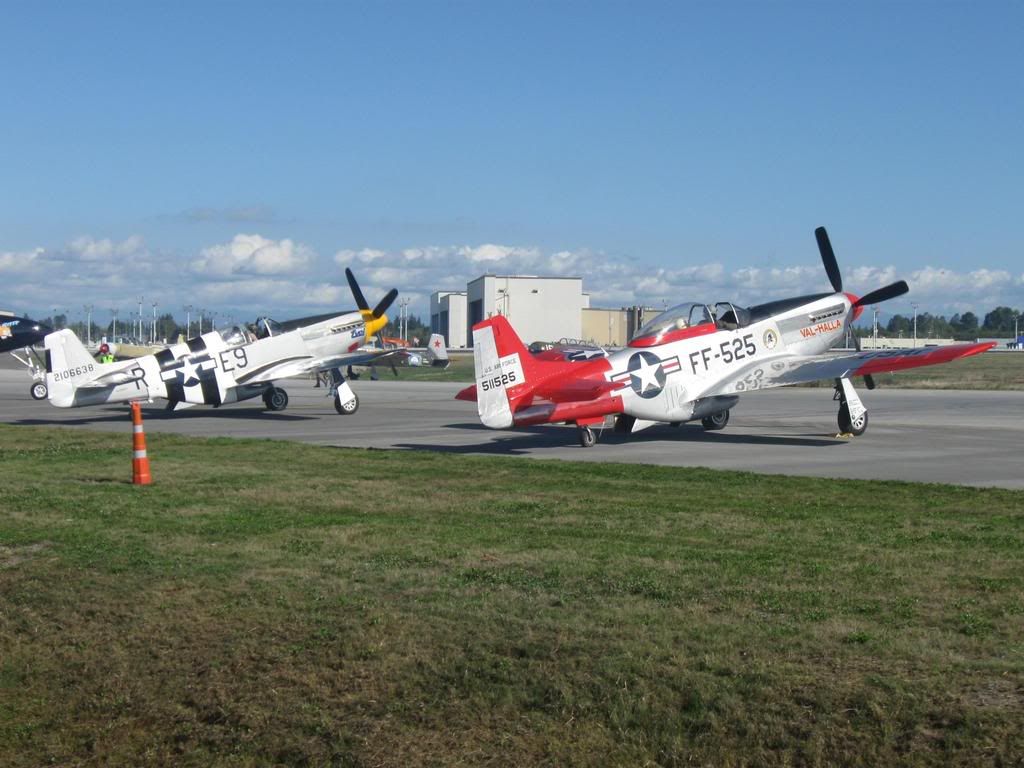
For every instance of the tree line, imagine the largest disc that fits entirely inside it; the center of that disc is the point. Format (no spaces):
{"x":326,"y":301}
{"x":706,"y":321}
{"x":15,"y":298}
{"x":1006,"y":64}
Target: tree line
{"x":999,"y":323}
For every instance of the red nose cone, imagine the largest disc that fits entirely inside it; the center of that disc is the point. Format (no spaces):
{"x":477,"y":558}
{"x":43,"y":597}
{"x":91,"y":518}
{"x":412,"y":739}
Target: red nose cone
{"x":853,"y":303}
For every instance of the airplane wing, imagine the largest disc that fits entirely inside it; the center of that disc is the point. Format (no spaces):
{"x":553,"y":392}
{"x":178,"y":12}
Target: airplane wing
{"x":301,"y":366}
{"x":781,"y":373}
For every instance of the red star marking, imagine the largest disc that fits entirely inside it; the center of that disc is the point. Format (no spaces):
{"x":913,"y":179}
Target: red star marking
{"x":437,"y":343}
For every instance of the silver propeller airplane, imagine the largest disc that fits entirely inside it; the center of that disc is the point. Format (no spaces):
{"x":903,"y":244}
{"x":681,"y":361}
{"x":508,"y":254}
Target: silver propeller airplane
{"x":692,"y":362}
{"x":224,"y":366}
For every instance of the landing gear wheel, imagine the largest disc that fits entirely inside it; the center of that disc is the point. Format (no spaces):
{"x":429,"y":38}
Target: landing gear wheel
{"x":275,"y":399}
{"x":348,"y":408}
{"x":587,"y":437}
{"x":855,"y":427}
{"x":715,"y":421}
{"x":38,"y":391}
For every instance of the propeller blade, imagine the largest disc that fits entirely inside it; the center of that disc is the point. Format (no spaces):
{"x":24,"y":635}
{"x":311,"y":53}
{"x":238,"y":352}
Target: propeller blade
{"x":384,"y":303}
{"x":828,"y":258}
{"x":884,"y":293}
{"x":356,"y":292}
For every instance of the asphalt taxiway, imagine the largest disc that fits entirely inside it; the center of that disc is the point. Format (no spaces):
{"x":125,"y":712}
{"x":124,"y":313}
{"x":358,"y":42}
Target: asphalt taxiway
{"x":970,"y":438}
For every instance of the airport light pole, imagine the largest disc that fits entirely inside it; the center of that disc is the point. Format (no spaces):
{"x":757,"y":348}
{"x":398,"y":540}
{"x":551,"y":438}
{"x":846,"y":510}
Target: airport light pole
{"x":874,"y":327}
{"x":914,"y":305}
{"x":405,"y":318}
{"x":113,"y":329}
{"x":138,"y":336}
{"x":188,"y":320}
{"x":153,"y":336}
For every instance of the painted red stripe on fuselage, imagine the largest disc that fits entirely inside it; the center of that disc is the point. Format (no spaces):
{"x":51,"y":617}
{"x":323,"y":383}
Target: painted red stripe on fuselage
{"x":682,"y":333}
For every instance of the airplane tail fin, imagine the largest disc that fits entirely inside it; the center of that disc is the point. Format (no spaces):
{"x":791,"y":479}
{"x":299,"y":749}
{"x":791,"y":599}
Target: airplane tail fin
{"x":437,"y":352}
{"x":503,"y":367}
{"x":66,"y":360}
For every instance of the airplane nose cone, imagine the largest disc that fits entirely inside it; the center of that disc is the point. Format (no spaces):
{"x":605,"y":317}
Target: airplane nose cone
{"x":857,"y":309}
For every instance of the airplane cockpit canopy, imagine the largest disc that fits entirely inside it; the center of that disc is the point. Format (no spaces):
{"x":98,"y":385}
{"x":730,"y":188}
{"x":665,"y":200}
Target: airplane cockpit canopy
{"x":677,"y":318}
{"x":725,"y":315}
{"x":236,"y":336}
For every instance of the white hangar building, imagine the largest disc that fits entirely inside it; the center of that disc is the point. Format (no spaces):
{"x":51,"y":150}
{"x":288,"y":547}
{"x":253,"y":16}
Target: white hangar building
{"x":539,"y":308}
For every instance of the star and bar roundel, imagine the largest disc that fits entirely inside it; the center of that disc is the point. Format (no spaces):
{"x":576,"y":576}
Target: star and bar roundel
{"x":647,"y":372}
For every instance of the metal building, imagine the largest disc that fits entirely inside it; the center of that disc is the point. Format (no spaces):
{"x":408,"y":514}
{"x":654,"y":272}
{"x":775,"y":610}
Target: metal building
{"x":448,"y":317}
{"x":539,"y":308}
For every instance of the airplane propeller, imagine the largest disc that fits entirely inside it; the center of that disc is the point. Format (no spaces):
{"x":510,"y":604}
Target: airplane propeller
{"x":884,"y":293}
{"x":357,"y":293}
{"x":828,"y":259}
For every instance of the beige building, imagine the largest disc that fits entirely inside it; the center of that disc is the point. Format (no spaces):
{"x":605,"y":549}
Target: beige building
{"x":606,"y":327}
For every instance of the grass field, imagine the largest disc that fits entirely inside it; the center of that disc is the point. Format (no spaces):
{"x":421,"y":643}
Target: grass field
{"x":269,"y":603}
{"x":1002,"y":370}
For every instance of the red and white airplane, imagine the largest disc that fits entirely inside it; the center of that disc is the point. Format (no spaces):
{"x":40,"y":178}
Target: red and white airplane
{"x":693,"y":361}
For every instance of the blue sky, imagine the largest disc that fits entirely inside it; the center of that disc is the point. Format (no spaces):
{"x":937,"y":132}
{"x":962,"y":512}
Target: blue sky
{"x":239,"y":155}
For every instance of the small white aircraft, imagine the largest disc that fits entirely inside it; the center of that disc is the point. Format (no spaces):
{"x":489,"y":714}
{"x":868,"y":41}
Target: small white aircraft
{"x":692,"y":362}
{"x":224,"y":366}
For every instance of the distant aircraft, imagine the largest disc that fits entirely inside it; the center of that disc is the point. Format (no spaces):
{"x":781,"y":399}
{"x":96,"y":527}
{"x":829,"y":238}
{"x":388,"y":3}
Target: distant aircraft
{"x":224,"y":366}
{"x":692,"y":362}
{"x":17,"y":336}
{"x":436,"y":353}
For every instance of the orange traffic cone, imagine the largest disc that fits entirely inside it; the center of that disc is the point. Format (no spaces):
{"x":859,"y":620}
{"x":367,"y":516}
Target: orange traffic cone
{"x":140,"y":462}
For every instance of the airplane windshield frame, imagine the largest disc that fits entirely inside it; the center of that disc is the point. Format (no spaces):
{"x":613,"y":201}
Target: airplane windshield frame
{"x":265,"y":327}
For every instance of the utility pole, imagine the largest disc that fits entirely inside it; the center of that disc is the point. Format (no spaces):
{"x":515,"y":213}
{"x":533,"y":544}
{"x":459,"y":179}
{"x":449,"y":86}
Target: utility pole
{"x":88,"y":323}
{"x":914,"y":305}
{"x":403,"y":318}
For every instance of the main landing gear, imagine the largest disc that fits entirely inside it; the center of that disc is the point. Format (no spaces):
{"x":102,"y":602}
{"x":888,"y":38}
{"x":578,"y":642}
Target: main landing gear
{"x":276,"y":399}
{"x":346,"y":402}
{"x":853,"y":416}
{"x":716,"y":421}
{"x":587,"y":436}
{"x":29,"y":357}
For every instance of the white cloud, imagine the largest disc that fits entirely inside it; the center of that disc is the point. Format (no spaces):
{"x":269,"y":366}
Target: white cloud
{"x":86,"y":248}
{"x":252,"y":274}
{"x":19,"y":261}
{"x":253,"y":254}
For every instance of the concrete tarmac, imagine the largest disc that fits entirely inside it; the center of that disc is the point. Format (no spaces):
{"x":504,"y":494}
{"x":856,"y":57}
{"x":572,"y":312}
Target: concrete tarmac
{"x":961,"y":437}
